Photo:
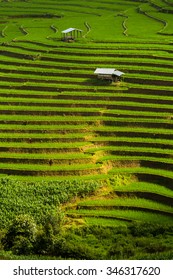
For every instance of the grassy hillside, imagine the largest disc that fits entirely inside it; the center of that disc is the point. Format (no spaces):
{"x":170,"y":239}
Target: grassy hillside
{"x":59,"y":123}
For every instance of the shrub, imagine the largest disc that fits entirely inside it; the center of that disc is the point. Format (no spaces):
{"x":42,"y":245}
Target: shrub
{"x":22,"y":246}
{"x":155,"y":247}
{"x":149,"y":229}
{"x":77,"y":250}
{"x":21,"y":231}
{"x":123,"y":248}
{"x":48,"y":232}
{"x":38,"y":199}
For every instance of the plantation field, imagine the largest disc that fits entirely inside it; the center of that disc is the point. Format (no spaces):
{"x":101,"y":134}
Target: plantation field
{"x":59,"y":122}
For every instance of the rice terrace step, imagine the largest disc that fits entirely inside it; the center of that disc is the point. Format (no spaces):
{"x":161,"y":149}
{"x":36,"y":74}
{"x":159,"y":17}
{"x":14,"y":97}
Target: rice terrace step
{"x":87,"y":94}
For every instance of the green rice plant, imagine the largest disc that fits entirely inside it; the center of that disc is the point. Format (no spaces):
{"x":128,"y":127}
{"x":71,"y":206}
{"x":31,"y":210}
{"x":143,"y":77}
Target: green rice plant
{"x":127,"y":202}
{"x":43,"y":129}
{"x":128,"y":215}
{"x":149,"y":77}
{"x":143,"y":170}
{"x":136,"y":129}
{"x":145,"y":187}
{"x":58,"y":177}
{"x":99,"y":95}
{"x":103,"y":104}
{"x":42,"y":136}
{"x":135,"y":158}
{"x":126,"y":148}
{"x":105,"y":222}
{"x":46,"y":167}
{"x":133,"y":140}
{"x":37,"y":156}
{"x":44,"y":145}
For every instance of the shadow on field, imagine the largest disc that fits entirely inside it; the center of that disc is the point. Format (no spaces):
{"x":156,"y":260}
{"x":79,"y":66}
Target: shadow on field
{"x":156,"y":179}
{"x":98,"y":82}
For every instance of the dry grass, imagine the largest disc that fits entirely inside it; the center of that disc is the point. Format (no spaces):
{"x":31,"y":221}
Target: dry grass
{"x":97,"y":156}
{"x":106,"y":167}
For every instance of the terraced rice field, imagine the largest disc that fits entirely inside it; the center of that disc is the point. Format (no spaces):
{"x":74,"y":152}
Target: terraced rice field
{"x":57,"y":121}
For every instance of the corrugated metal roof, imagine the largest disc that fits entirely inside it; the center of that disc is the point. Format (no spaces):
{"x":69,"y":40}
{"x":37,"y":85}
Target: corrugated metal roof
{"x":108,"y":71}
{"x":104,"y":71}
{"x":118,"y":73}
{"x":70,"y":30}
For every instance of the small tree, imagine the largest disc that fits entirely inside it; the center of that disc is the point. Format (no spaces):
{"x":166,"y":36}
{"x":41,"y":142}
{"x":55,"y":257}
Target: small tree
{"x":21,"y":234}
{"x":49,"y":232}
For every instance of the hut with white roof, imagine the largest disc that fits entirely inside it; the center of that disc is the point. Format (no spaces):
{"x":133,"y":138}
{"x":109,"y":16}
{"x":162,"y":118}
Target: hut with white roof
{"x":111,"y":74}
{"x":71,"y":34}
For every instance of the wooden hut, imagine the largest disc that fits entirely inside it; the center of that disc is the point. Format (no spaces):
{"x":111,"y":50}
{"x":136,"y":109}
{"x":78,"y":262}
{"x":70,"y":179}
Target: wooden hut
{"x":71,"y":34}
{"x":109,"y":74}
